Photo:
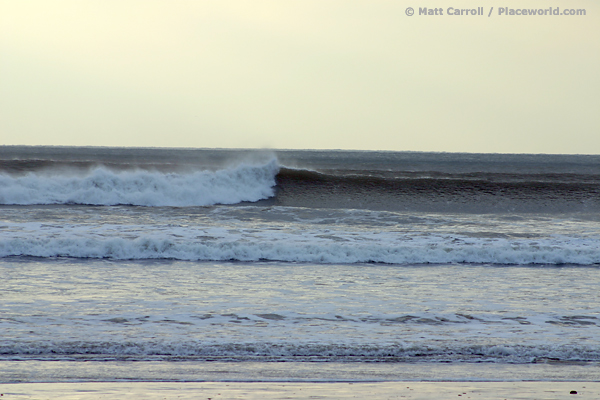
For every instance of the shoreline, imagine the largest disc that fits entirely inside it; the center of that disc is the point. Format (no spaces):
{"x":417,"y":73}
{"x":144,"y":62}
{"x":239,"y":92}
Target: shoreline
{"x":546,"y":390}
{"x":30,"y":371}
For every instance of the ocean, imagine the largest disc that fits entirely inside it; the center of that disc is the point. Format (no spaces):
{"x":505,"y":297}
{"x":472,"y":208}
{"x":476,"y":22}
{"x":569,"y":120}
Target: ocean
{"x":257,"y":265}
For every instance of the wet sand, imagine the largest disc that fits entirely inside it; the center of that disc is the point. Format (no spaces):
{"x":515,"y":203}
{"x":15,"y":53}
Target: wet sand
{"x":302,"y":390}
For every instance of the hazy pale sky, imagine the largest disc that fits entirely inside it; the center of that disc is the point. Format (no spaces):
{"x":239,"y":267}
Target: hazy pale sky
{"x":310,"y":74}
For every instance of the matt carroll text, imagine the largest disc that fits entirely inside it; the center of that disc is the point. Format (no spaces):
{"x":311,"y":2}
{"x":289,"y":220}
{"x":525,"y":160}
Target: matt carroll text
{"x":451,"y":11}
{"x":501,"y":11}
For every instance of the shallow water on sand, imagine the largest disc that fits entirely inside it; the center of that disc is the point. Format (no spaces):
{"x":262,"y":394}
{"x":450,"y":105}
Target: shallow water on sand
{"x":67,"y":309}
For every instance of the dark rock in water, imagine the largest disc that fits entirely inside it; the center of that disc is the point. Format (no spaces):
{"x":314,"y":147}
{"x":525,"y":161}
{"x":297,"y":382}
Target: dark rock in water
{"x":573,"y":392}
{"x":275,"y":317}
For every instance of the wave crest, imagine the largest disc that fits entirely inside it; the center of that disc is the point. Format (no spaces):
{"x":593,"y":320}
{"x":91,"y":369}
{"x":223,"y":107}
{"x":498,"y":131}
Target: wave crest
{"x":102,"y":186}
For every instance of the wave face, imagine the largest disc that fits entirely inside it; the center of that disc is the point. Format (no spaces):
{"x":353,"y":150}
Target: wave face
{"x":103,"y":186}
{"x":481,"y":192}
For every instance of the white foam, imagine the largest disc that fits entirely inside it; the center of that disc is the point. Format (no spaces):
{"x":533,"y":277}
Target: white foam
{"x":312,"y":246}
{"x":102,"y":186}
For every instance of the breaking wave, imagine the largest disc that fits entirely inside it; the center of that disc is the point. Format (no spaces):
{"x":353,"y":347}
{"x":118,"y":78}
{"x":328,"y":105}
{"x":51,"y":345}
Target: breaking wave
{"x":102,"y":186}
{"x":312,"y":250}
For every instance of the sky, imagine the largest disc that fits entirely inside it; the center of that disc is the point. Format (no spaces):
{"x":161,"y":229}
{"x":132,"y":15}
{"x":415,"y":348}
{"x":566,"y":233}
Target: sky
{"x":301,"y":74}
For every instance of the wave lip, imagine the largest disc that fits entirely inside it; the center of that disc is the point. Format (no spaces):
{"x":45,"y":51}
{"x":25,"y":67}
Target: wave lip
{"x":102,"y":186}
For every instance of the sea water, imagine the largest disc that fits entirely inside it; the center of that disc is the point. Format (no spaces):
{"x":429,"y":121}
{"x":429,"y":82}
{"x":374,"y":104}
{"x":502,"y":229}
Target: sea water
{"x":185,"y":264}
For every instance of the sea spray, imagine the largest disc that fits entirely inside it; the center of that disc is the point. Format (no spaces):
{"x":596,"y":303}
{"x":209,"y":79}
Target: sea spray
{"x":102,"y":186}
